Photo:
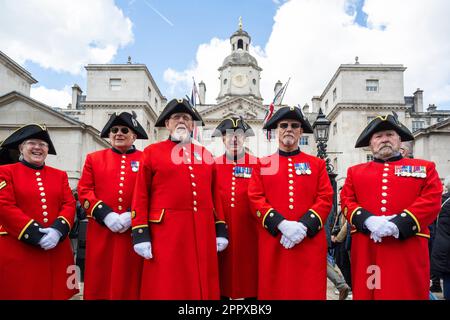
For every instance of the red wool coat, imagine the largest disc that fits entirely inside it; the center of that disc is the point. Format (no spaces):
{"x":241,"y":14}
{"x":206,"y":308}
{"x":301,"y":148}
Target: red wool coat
{"x":281,"y":187}
{"x":112,"y":268}
{"x":173,"y":206}
{"x":398,"y":268}
{"x":238,"y":263}
{"x":31,"y":199}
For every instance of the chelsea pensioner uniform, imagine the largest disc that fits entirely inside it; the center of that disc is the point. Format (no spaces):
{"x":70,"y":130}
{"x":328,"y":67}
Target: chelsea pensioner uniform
{"x":296,"y":186}
{"x":238,"y":264}
{"x":113,"y":269}
{"x":411,"y":189}
{"x":173,"y":208}
{"x":32,"y":198}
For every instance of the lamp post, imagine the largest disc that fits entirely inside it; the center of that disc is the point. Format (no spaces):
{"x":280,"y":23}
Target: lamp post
{"x":321,"y":129}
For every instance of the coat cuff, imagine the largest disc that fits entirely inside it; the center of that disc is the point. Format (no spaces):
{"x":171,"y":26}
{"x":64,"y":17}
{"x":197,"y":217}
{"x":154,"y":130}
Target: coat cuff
{"x":358,"y":217}
{"x":221,"y":229}
{"x":140,"y":234}
{"x":100,"y":211}
{"x":30,"y":233}
{"x":271,"y":221}
{"x":407,"y":224}
{"x":312,"y":221}
{"x":63,"y":226}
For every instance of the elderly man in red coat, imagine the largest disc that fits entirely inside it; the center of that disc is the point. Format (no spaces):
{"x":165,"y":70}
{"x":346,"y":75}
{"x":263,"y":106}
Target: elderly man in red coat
{"x":175,"y":225}
{"x":37,"y":211}
{"x":106,"y":189}
{"x":390,"y":202}
{"x":238,"y":264}
{"x":291,"y":196}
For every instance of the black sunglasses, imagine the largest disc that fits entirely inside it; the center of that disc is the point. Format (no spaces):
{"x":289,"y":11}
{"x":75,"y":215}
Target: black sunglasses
{"x":285,"y":125}
{"x":124,"y":130}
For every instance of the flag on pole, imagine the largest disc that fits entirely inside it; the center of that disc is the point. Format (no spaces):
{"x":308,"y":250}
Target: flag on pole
{"x":193,"y":100}
{"x":271,"y":109}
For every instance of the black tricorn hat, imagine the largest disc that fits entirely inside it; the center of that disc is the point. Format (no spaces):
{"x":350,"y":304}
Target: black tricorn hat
{"x":293,"y":113}
{"x":28,"y":131}
{"x":175,"y":106}
{"x":233,"y":123}
{"x":381,"y":123}
{"x":124,"y":119}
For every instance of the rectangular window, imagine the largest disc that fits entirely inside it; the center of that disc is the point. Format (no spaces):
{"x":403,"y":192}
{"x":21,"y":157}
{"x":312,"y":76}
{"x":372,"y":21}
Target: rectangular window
{"x":369,"y":157}
{"x":207,"y":134}
{"x":335,"y":128}
{"x":304,"y":140}
{"x":417,"y":125}
{"x":372,"y":85}
{"x":115,"y":84}
{"x":334,"y":95}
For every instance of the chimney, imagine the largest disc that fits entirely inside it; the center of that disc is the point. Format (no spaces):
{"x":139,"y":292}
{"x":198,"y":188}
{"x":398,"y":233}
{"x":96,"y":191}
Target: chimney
{"x":315,"y":104}
{"x":76,"y":93}
{"x":418,"y":100}
{"x":202,"y":92}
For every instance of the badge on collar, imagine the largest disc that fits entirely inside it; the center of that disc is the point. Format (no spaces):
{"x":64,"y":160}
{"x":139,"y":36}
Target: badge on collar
{"x":302,"y":168}
{"x":135,"y":166}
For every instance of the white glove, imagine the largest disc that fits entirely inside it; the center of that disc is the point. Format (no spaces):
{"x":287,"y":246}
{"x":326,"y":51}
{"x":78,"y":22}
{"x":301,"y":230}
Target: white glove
{"x":386,"y":230}
{"x":286,"y":243}
{"x":373,"y":222}
{"x":293,"y":230}
{"x":221,"y":243}
{"x":113,"y":222}
{"x":125,"y":220}
{"x":51,"y":238}
{"x":375,"y":237}
{"x":144,"y":249}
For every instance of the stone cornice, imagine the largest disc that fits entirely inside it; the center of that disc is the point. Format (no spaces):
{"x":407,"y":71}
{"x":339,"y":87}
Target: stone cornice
{"x":10,"y":63}
{"x":442,"y":127}
{"x":230,"y":103}
{"x":364,"y":106}
{"x":121,"y":105}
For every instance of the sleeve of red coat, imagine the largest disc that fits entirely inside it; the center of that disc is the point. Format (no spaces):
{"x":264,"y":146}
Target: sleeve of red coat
{"x":261,"y":208}
{"x":141,"y":200}
{"x":95,"y":207}
{"x":16,"y":222}
{"x":353,"y":212}
{"x":219,"y":215}
{"x":315,"y":217}
{"x":424,"y":210}
{"x":64,"y":222}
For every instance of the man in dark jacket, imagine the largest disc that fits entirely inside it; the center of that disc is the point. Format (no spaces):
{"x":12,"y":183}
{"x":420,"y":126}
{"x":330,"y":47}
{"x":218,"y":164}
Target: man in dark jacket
{"x":440,"y":257}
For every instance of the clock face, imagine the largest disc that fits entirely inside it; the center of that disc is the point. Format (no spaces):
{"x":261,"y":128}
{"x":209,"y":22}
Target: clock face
{"x":239,"y":80}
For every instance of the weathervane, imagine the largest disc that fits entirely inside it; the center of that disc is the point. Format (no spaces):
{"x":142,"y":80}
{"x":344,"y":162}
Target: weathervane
{"x":240,"y":23}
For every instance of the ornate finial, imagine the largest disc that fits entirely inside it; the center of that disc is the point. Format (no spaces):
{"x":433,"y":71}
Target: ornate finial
{"x":129,"y":59}
{"x":356,"y":60}
{"x":240,"y":23}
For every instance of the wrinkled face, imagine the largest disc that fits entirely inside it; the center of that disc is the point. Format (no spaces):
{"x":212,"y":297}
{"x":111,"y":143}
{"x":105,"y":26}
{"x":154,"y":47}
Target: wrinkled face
{"x":122,"y":137}
{"x":385,"y":144}
{"x":234,"y":141}
{"x":289,"y":133}
{"x":34,"y":151}
{"x":180,"y":126}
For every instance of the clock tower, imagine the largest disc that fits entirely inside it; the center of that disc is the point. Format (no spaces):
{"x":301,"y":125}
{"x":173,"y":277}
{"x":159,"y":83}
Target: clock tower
{"x":239,"y":73}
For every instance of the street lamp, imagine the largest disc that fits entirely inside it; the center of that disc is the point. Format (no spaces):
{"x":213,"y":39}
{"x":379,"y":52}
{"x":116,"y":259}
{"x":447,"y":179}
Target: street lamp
{"x":321,"y":129}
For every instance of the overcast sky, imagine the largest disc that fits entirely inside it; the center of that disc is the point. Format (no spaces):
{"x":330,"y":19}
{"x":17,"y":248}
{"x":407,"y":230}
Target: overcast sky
{"x":306,"y":40}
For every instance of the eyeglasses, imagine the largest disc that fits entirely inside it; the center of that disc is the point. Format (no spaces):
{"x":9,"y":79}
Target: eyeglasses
{"x":285,"y":125}
{"x":124,"y":130}
{"x":43,"y":145}
{"x":177,"y":117}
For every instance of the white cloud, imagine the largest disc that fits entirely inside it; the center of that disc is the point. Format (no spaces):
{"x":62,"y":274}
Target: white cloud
{"x":52,"y":97}
{"x":310,"y":39}
{"x":63,"y":35}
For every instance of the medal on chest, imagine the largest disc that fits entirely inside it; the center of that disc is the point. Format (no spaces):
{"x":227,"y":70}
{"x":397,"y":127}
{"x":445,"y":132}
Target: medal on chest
{"x":302,"y":168}
{"x":411,"y":171}
{"x":134,"y":166}
{"x":242,"y":172}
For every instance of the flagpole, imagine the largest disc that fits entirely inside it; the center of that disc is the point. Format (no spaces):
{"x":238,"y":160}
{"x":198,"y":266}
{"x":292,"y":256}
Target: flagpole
{"x":284,"y":92}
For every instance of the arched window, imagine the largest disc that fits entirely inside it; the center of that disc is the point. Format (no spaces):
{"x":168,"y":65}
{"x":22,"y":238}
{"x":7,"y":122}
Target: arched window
{"x":240,"y":44}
